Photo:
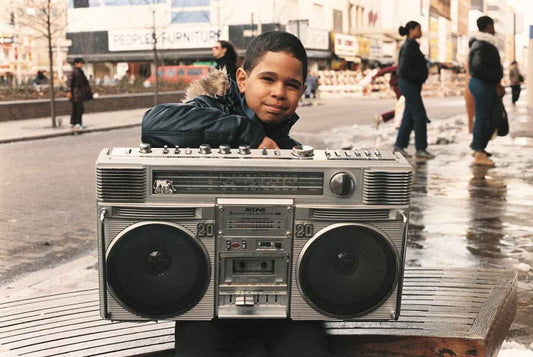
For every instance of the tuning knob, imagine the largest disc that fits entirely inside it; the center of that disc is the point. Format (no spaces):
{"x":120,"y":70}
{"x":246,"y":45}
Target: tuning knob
{"x":302,"y":151}
{"x":145,"y":148}
{"x":205,"y":149}
{"x":244,"y":149}
{"x":342,"y":184}
{"x":224,"y":149}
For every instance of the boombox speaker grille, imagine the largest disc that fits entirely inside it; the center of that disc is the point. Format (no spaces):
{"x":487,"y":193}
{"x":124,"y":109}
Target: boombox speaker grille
{"x":157,"y":269}
{"x":347,"y":270}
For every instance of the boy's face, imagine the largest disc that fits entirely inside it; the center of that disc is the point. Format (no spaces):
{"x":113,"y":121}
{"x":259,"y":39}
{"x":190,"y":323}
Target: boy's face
{"x":273,"y":88}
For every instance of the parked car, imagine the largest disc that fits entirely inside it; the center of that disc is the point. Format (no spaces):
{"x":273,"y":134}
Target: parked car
{"x":175,"y":74}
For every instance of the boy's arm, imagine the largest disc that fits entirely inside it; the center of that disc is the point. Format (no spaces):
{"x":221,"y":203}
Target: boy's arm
{"x":187,"y":125}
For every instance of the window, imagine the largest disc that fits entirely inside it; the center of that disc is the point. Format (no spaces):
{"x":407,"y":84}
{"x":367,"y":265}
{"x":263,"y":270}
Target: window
{"x":194,"y":72}
{"x":185,"y":17}
{"x":337,"y":20}
{"x":81,"y":3}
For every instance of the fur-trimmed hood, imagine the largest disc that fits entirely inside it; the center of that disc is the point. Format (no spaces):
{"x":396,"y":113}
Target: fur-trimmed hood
{"x":215,"y":84}
{"x":482,"y":36}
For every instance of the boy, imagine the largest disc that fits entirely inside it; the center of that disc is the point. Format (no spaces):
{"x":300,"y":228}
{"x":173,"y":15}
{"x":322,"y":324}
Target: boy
{"x":258,"y":110}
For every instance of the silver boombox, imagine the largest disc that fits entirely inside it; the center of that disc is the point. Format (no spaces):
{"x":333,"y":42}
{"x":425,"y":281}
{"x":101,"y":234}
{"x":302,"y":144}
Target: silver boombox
{"x":199,"y":234}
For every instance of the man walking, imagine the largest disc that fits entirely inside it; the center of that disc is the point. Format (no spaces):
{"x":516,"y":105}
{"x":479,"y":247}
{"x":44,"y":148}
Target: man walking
{"x":78,"y":92}
{"x":486,"y":70}
{"x":516,"y":79}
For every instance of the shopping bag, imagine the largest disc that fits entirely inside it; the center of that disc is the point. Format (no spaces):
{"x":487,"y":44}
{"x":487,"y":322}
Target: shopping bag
{"x":398,"y":111}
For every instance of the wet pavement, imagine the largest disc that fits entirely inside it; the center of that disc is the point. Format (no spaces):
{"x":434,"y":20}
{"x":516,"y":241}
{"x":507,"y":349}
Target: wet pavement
{"x":464,"y":215}
{"x":461,"y":216}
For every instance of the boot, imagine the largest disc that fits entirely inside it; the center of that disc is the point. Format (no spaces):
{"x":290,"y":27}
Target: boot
{"x":481,"y":158}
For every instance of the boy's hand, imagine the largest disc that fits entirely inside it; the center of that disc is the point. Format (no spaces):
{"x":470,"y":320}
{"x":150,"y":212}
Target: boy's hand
{"x":267,"y":143}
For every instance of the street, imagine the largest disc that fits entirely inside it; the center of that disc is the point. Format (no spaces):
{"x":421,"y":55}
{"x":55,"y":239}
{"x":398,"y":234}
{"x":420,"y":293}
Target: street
{"x":461,"y":216}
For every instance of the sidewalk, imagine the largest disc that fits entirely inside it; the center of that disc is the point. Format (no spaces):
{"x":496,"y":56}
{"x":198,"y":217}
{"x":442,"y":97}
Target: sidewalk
{"x":41,"y":128}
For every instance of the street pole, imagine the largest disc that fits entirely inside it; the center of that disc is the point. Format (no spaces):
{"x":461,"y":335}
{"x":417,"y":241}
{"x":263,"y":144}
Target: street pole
{"x":529,"y":76}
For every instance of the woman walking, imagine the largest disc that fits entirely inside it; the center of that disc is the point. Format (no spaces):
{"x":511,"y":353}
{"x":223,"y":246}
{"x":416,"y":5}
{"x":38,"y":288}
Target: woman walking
{"x":413,"y":72}
{"x":226,"y":57}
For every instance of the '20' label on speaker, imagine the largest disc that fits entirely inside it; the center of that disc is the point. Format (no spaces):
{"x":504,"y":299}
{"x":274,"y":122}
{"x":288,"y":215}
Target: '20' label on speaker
{"x":303,"y":230}
{"x":205,"y":229}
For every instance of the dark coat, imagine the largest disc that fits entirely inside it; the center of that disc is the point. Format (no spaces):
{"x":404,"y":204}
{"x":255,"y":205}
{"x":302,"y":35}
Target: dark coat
{"x":222,"y":120}
{"x":78,"y":86}
{"x":484,"y":59}
{"x":229,"y":64}
{"x":412,"y":64}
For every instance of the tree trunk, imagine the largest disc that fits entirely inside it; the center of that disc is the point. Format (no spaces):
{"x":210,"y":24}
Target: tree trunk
{"x":51,"y":66}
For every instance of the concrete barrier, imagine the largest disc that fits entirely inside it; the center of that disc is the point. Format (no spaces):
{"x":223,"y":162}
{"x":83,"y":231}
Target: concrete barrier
{"x":28,"y":109}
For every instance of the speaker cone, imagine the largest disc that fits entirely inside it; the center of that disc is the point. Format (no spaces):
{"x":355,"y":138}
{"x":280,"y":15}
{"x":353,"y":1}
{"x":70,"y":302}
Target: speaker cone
{"x":157,"y":269}
{"x":347,"y":270}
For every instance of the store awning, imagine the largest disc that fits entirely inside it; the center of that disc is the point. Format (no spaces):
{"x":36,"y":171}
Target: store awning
{"x":384,"y":34}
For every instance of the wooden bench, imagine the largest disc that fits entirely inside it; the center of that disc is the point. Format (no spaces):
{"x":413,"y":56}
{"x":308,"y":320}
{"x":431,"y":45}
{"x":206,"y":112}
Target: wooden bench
{"x":445,"y":312}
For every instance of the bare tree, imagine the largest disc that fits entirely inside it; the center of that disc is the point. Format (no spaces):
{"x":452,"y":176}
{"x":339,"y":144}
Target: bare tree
{"x":46,"y":19}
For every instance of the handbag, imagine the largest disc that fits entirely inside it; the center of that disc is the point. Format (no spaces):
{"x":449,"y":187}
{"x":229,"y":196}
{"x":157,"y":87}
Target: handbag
{"x":520,"y":78}
{"x":502,"y":127}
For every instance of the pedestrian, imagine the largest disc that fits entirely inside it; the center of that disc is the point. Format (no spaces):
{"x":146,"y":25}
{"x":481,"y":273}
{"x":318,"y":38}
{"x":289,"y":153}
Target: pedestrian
{"x":395,"y":85}
{"x":311,"y":84}
{"x":226,"y":57}
{"x":516,"y":79}
{"x":486,"y":73}
{"x":413,"y":72}
{"x":79,"y":91}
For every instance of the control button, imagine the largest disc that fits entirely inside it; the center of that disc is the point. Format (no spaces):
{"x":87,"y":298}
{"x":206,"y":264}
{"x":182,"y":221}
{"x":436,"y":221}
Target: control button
{"x":228,"y":245}
{"x":367,"y":153}
{"x":145,"y":148}
{"x":347,"y":153}
{"x":342,"y":184}
{"x":277,"y":152}
{"x":303,"y":151}
{"x":188,"y":151}
{"x":244,"y":149}
{"x":236,"y":245}
{"x":165,"y":149}
{"x":177,"y":149}
{"x":243,"y":244}
{"x":277,"y":245}
{"x":205,"y":149}
{"x":265,"y":152}
{"x":224,"y":149}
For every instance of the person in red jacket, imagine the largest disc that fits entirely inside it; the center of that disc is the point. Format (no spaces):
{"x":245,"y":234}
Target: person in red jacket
{"x":395,"y":85}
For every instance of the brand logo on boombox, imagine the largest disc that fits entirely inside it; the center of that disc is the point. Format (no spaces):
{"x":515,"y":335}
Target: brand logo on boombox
{"x":255,"y":209}
{"x":201,"y":235}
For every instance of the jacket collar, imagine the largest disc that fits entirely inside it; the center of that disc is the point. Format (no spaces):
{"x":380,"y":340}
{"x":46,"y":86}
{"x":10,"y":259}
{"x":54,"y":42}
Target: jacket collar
{"x":482,"y":36}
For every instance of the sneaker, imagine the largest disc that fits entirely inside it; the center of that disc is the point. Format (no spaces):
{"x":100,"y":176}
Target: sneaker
{"x":402,"y":151}
{"x":481,"y":158}
{"x":377,"y":120}
{"x":424,"y":154}
{"x":486,"y":152}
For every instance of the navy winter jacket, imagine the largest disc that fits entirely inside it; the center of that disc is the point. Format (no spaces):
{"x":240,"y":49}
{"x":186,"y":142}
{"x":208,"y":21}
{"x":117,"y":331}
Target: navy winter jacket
{"x":213,"y":120}
{"x":412,"y":64}
{"x":484,"y":59}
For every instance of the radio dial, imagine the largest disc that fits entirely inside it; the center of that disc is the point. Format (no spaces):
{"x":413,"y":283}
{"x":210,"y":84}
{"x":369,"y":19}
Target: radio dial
{"x":205,"y":149}
{"x":342,"y":184}
{"x":244,"y":149}
{"x":224,"y":149}
{"x":145,"y":148}
{"x":302,"y":151}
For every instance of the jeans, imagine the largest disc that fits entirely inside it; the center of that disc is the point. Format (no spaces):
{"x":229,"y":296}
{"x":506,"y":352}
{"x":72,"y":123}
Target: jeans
{"x":77,"y":111}
{"x":414,"y":117}
{"x":515,"y":90}
{"x":250,"y":338}
{"x":488,"y":112}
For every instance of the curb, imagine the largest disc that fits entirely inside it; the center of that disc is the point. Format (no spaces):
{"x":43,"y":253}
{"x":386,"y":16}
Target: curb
{"x":66,"y":133}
